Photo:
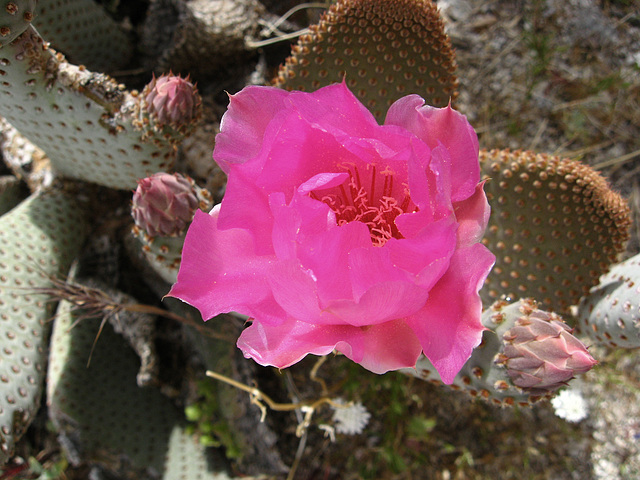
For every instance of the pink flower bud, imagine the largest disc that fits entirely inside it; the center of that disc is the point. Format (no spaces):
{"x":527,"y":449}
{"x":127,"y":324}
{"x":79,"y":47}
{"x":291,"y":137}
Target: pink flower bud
{"x":172,"y":100}
{"x":540,"y":352}
{"x":164,"y":204}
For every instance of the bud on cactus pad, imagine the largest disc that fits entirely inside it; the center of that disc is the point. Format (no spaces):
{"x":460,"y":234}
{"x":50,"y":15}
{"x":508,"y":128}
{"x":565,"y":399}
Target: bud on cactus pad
{"x":525,"y":355}
{"x":384,"y":49}
{"x":164,"y":204}
{"x":610,"y":314}
{"x":170,"y":104}
{"x":555,"y":227}
{"x":540,"y":353}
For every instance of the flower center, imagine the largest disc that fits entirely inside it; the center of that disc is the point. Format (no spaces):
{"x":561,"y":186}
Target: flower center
{"x":371,"y":201}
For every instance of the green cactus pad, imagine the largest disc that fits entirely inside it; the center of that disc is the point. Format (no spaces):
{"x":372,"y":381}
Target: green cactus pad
{"x":610,"y":314}
{"x":85,"y":33}
{"x":15,"y":17}
{"x":83,"y":121}
{"x":106,"y":418}
{"x":162,"y":253}
{"x":385,"y":49}
{"x":555,"y":227}
{"x":484,"y":376}
{"x":38,"y":239}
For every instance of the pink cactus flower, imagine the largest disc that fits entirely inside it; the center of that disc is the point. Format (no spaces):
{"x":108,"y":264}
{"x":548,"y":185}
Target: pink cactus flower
{"x":336,"y":233}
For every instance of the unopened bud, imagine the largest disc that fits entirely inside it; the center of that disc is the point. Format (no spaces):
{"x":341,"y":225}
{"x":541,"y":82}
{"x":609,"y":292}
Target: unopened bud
{"x":172,"y":100}
{"x":540,"y":352}
{"x":164,"y":203}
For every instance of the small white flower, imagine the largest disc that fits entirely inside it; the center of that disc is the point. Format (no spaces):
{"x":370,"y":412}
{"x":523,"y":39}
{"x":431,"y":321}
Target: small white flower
{"x":570,"y":405}
{"x":350,"y":418}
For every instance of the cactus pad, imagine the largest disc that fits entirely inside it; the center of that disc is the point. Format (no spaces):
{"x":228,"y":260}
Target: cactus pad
{"x":199,"y":37}
{"x":610,"y":314}
{"x":85,"y":33}
{"x":385,"y":49}
{"x":83,"y":121}
{"x":38,"y":239}
{"x":106,"y":417}
{"x":555,"y":227}
{"x":15,"y":17}
{"x":162,"y":253}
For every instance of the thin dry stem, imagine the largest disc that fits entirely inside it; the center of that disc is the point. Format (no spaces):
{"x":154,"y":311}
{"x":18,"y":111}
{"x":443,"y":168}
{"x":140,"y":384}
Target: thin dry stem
{"x":95,"y":303}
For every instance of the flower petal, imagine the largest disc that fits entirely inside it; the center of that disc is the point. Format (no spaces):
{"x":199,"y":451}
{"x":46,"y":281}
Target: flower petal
{"x":383,"y":348}
{"x":333,"y":108}
{"x":220,"y":272}
{"x":327,"y":254}
{"x":379,"y":304}
{"x":243,"y":126}
{"x":287,"y":344}
{"x":379,"y":348}
{"x":449,"y":326}
{"x":472,"y":216}
{"x":246,"y":206}
{"x":426,"y":253}
{"x":448,"y":127}
{"x":294,"y":288}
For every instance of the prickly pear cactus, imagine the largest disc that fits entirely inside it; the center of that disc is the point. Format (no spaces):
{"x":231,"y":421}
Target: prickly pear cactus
{"x":105,"y":46}
{"x":555,"y":227}
{"x":384,"y":49}
{"x":38,"y":239}
{"x":106,"y":418}
{"x":83,"y":121}
{"x":15,"y":17}
{"x":610,"y":314}
{"x":526,"y":354}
